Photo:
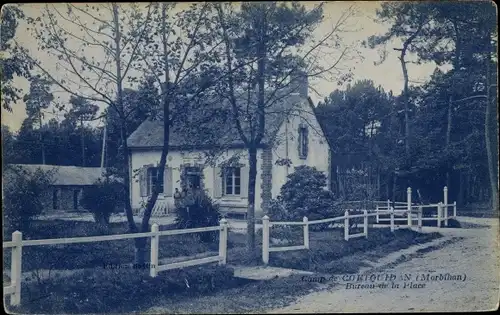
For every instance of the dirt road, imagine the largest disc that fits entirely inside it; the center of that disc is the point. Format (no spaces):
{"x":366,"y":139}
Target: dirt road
{"x":472,"y":284}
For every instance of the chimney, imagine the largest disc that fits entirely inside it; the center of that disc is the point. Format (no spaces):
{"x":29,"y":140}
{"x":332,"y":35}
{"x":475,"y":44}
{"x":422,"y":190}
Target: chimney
{"x":300,"y":84}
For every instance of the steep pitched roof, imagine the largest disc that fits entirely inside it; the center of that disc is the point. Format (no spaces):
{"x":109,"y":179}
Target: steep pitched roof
{"x":216,"y":130}
{"x":67,"y":175}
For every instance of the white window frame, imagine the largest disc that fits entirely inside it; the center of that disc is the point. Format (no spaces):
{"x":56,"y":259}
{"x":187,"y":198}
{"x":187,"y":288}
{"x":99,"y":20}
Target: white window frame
{"x":150,"y":182}
{"x":235,"y":172}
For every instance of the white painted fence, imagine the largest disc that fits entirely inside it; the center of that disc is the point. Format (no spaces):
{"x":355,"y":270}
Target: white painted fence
{"x":267,"y":224}
{"x":17,"y":244}
{"x":442,"y":210}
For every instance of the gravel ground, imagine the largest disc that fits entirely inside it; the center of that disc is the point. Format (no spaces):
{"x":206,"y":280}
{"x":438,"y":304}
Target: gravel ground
{"x":475,"y":255}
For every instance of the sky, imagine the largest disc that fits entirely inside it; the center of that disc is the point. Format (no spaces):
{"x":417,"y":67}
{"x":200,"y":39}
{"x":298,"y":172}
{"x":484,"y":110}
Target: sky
{"x":358,"y":28}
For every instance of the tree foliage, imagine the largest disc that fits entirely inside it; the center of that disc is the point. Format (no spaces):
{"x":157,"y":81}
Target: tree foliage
{"x":305,"y":195}
{"x":101,"y":200}
{"x":22,"y":197}
{"x":12,"y":61}
{"x":198,"y":210}
{"x":266,"y":49}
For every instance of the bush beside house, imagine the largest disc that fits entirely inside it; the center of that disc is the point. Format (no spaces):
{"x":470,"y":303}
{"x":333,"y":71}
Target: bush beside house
{"x":305,"y":194}
{"x":101,"y":199}
{"x":195,"y":210}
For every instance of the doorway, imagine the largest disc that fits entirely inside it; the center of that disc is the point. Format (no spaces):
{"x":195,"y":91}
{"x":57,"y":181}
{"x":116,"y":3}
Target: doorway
{"x":192,"y":177}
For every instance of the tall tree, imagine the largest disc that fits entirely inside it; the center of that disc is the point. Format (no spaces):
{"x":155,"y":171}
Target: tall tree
{"x":458,"y":34}
{"x":357,"y":122}
{"x":266,"y":42}
{"x":12,"y":61}
{"x":82,"y":111}
{"x":74,"y":37}
{"x":408,"y":21}
{"x":178,"y":54}
{"x":38,"y":99}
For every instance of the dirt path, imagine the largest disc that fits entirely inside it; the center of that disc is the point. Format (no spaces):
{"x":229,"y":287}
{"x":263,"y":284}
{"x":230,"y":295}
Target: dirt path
{"x":475,"y":258}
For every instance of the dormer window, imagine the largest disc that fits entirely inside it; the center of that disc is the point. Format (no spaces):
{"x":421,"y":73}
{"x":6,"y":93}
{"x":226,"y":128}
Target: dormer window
{"x":303,"y":141}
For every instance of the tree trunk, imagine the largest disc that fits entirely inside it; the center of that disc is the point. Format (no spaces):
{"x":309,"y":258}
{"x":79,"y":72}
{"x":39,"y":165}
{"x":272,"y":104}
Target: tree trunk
{"x":139,"y":243}
{"x":490,"y":128}
{"x":461,"y":186}
{"x":82,"y":136}
{"x":41,"y":139}
{"x":165,"y":89}
{"x":448,"y":137}
{"x":252,"y":176}
{"x":406,"y":101}
{"x":394,"y":182}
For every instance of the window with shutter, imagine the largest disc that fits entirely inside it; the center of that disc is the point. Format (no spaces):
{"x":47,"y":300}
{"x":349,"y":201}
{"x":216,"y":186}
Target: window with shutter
{"x":152,"y":179}
{"x":232,"y":181}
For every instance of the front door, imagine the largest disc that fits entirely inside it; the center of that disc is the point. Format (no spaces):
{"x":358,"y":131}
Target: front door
{"x":193,"y":177}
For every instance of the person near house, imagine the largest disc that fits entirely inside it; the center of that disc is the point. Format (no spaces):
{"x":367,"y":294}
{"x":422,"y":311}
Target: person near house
{"x":177,"y":197}
{"x":184,"y":192}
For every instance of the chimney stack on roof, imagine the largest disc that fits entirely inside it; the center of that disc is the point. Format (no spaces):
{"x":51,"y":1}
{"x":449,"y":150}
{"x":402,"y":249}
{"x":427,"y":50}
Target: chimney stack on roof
{"x":300,"y":84}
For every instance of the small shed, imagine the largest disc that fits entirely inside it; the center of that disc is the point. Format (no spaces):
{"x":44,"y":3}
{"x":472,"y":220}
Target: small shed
{"x":68,"y":184}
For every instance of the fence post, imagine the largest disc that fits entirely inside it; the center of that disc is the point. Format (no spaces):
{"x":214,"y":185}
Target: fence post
{"x":365,"y":223}
{"x":265,"y":239}
{"x":445,"y":195}
{"x":445,"y":214}
{"x":16,"y":267}
{"x":454,"y":209}
{"x":408,"y":205}
{"x":306,"y":232}
{"x":392,"y":219}
{"x":419,"y":214}
{"x":376,"y":211}
{"x":155,"y":244}
{"x":445,"y":201}
{"x":388,"y":204}
{"x":223,"y":242}
{"x":346,"y":225}
{"x":439,"y":215}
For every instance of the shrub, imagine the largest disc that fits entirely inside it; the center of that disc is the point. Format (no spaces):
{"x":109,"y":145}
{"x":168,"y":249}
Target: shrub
{"x":101,"y":200}
{"x":22,"y":197}
{"x":198,"y":210}
{"x":304,"y":194}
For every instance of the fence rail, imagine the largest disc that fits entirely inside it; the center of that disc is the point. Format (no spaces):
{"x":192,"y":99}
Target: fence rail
{"x":267,"y":224}
{"x":17,"y":244}
{"x":396,"y":211}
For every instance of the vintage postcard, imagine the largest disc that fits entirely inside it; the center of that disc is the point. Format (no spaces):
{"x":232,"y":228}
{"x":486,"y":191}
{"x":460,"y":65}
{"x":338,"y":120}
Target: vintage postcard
{"x":250,"y":157}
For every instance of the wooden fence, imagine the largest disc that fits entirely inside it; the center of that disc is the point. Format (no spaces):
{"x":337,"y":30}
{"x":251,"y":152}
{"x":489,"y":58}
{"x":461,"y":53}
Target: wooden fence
{"x":384,"y":211}
{"x":17,"y":244}
{"x":442,"y":210}
{"x":267,"y":224}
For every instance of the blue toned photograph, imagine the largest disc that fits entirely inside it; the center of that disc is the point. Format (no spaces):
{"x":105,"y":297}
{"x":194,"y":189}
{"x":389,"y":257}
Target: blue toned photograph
{"x":250,"y":157}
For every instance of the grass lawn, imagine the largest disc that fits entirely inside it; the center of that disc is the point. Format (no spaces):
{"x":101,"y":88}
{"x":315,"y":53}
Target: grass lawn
{"x":329,"y":254}
{"x":96,"y":254}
